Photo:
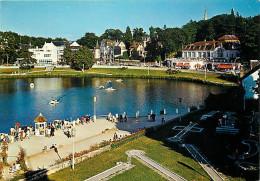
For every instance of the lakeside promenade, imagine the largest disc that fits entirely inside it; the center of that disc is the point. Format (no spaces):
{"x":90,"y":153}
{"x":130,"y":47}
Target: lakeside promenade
{"x":86,"y":135}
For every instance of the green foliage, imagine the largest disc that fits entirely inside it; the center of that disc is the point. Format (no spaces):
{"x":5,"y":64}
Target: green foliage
{"x":171,"y":72}
{"x":8,"y":49}
{"x":128,"y":37}
{"x":125,"y":56}
{"x":68,"y":54}
{"x":21,"y":159}
{"x":26,"y":55}
{"x":123,"y":68}
{"x":135,"y":55}
{"x":82,"y":56}
{"x":229,"y":77}
{"x":89,"y":40}
{"x":127,"y":139}
{"x":113,"y":34}
{"x":3,"y":153}
{"x":1,"y":169}
{"x":26,"y":67}
{"x":138,"y":34}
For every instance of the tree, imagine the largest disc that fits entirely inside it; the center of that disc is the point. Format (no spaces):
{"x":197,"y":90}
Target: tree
{"x":125,"y":55}
{"x":138,"y":34}
{"x":26,"y":55}
{"x":68,"y":55}
{"x":83,"y":56}
{"x":135,"y":55}
{"x":113,"y":34}
{"x":128,"y":38}
{"x":89,"y":40}
{"x":8,"y":47}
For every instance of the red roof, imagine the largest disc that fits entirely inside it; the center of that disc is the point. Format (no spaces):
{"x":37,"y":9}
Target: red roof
{"x":225,"y":66}
{"x":228,"y":37}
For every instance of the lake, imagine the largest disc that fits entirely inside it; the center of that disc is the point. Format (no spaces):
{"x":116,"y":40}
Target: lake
{"x":20,"y":102}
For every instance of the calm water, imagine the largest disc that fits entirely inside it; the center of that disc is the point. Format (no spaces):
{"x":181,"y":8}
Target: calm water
{"x":20,"y":102}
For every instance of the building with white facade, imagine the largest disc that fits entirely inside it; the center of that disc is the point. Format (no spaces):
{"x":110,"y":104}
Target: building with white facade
{"x":249,"y":81}
{"x":51,"y":53}
{"x":226,"y":49}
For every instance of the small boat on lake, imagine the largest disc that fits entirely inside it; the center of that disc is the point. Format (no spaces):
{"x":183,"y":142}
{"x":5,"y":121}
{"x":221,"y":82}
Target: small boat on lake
{"x":31,"y":84}
{"x":119,"y":80}
{"x":101,"y":87}
{"x":54,"y":102}
{"x":110,"y":89}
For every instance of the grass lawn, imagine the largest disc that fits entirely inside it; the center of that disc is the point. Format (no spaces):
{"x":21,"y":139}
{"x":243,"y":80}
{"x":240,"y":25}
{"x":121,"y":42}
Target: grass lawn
{"x":110,"y":72}
{"x":143,"y":72}
{"x":154,"y":149}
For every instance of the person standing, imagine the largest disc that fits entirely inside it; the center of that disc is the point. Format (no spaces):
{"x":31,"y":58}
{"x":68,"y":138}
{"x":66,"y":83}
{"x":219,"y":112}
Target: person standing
{"x":121,"y":118}
{"x":126,"y":117}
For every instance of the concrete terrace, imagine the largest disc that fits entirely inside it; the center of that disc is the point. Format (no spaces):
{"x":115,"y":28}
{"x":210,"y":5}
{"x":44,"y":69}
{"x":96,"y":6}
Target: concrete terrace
{"x":86,"y":135}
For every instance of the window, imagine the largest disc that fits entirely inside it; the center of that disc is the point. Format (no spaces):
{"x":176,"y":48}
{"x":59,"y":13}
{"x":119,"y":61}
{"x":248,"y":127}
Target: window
{"x":193,"y":54}
{"x":199,"y":53}
{"x":189,"y":54}
{"x":47,"y":55}
{"x":220,"y":52}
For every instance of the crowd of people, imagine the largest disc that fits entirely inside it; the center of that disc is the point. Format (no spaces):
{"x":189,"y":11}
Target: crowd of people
{"x":115,"y":118}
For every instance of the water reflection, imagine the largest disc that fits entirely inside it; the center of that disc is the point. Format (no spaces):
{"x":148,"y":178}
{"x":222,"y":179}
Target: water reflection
{"x":20,"y":102}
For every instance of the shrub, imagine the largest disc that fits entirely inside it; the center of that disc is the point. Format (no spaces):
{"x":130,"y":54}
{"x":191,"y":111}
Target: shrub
{"x":229,"y":77}
{"x":123,"y":68}
{"x":26,"y":67}
{"x":170,"y":71}
{"x":20,"y":159}
{"x":3,"y":153}
{"x":127,"y":139}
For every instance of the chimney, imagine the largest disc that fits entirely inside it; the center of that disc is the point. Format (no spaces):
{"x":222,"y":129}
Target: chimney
{"x":214,"y":46}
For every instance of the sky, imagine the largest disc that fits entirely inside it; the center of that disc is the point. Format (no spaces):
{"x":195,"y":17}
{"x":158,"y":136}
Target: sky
{"x":72,"y":19}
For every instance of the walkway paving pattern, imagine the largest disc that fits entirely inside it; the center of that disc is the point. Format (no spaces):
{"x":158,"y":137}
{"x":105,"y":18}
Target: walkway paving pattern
{"x":139,"y":154}
{"x":111,"y":171}
{"x":86,"y":135}
{"x":178,"y":136}
{"x":203,"y":162}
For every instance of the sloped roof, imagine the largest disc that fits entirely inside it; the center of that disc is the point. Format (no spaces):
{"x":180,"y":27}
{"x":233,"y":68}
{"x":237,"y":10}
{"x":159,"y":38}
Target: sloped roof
{"x":228,"y":37}
{"x":58,"y":43}
{"x":40,"y":119}
{"x":74,"y":44}
{"x":202,"y":45}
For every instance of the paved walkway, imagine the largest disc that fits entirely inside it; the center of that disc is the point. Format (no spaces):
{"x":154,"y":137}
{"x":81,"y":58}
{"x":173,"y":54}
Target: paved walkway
{"x":86,"y":135}
{"x":203,"y":162}
{"x":178,"y":136}
{"x":104,"y":175}
{"x":139,"y":154}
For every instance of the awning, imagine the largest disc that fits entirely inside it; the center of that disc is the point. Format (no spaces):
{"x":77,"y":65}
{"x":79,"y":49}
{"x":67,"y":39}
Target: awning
{"x":187,"y":64}
{"x":225,"y":66}
{"x":180,"y":64}
{"x":197,"y":65}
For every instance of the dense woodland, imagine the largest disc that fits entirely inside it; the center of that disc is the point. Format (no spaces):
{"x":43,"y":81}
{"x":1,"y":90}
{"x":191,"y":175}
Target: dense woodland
{"x":165,"y":41}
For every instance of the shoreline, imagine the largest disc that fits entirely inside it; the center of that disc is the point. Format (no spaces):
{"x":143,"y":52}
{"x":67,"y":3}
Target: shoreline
{"x":107,"y":75}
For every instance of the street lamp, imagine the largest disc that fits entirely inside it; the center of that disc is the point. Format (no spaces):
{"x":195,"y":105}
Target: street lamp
{"x":206,"y":70}
{"x":95,"y":117}
{"x":73,"y":134}
{"x":180,"y":100}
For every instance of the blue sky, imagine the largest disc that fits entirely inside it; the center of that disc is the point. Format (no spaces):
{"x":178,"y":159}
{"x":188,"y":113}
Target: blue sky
{"x":72,"y":19}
